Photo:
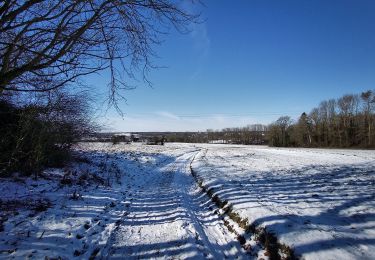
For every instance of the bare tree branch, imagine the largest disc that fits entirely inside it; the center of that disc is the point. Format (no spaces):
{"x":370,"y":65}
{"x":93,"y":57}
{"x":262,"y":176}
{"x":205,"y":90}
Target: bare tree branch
{"x":45,"y":44}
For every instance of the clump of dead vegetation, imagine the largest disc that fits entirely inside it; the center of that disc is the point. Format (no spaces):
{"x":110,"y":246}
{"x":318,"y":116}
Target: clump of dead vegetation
{"x":12,"y":207}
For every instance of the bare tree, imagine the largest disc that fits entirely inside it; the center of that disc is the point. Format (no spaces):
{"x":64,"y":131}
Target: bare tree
{"x":303,"y":131}
{"x":45,"y":44}
{"x":348,"y":106}
{"x":278,"y":131}
{"x":368,"y":99}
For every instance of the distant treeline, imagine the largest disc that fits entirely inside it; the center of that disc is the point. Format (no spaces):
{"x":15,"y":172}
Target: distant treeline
{"x":345,"y":122}
{"x":251,"y":134}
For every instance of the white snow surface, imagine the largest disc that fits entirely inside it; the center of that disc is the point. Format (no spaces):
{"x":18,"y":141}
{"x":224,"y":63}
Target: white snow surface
{"x":320,"y":202}
{"x":131,"y":201}
{"x":135,"y":201}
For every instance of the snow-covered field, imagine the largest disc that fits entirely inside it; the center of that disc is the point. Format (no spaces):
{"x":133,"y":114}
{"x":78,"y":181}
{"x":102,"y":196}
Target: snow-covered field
{"x":318,"y":201}
{"x":137,"y":201}
{"x":122,"y":202}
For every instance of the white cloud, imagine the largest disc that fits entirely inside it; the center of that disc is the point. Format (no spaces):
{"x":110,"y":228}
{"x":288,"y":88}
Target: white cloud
{"x":167,"y":115}
{"x":201,"y":39}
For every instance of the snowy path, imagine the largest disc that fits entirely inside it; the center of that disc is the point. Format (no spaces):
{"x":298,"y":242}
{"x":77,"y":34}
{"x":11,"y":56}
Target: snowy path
{"x":145,"y":204}
{"x":168,"y":217}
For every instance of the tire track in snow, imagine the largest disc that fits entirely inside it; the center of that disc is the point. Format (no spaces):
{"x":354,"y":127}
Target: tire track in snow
{"x":209,"y":229}
{"x":169,"y":217}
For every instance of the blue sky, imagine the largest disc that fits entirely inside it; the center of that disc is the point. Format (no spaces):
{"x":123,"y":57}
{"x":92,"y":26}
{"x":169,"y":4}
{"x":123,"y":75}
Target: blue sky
{"x":251,"y":62}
